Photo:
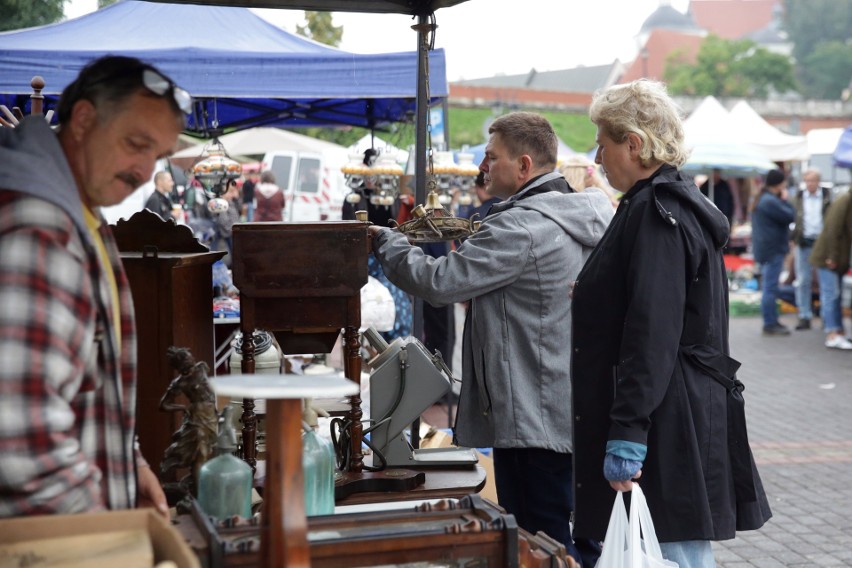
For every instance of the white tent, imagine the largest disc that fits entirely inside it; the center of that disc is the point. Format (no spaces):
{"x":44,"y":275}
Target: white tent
{"x":258,"y":141}
{"x":823,"y":140}
{"x":370,"y":141}
{"x":778,"y":146}
{"x":718,"y":143}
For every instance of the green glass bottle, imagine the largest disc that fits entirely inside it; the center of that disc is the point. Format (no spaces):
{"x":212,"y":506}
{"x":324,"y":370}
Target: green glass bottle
{"x":224,"y":489}
{"x":318,"y":465}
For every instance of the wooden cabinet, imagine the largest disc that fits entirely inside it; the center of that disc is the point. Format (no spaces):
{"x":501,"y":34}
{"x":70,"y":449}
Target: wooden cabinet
{"x":170,"y":275}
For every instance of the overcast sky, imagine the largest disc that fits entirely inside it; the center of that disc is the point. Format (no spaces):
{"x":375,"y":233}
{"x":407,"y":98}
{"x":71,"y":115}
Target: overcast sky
{"x":489,"y":37}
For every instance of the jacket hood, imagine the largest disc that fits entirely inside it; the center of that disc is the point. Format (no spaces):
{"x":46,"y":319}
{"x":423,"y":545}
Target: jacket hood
{"x":670,"y":182}
{"x":32,"y":163}
{"x":267,"y":190}
{"x":584,"y":215}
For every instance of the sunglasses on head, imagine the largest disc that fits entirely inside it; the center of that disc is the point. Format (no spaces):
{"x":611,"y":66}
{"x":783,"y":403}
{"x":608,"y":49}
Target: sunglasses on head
{"x":161,"y":86}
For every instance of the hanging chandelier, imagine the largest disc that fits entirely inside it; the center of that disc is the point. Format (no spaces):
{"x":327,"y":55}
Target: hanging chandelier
{"x":214,"y":172}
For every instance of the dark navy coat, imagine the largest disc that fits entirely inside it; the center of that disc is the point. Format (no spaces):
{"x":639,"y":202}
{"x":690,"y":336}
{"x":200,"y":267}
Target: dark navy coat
{"x":650,"y":365}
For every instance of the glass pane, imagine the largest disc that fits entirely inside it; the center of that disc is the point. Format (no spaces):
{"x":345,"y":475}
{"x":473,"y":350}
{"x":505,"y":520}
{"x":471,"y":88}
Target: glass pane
{"x":309,"y":178}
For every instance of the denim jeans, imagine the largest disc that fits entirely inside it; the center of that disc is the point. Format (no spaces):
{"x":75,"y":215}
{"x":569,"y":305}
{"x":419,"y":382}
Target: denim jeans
{"x":770,"y":273}
{"x":829,"y":291}
{"x":536,"y":486}
{"x":829,"y":299}
{"x":689,"y":553}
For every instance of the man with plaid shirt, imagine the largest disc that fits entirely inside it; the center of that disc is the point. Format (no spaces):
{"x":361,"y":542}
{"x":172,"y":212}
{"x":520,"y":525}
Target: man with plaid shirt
{"x":67,"y":337}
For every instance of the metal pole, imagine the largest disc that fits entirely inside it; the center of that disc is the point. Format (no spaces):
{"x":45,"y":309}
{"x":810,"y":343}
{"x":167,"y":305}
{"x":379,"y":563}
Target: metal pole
{"x":420,"y":148}
{"x":422,"y":110}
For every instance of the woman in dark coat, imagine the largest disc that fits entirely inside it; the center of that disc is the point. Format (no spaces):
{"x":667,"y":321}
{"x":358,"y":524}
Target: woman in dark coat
{"x":655,"y":393}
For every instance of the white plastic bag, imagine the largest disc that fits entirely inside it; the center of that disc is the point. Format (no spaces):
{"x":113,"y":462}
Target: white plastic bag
{"x":623,"y":546}
{"x":377,"y":308}
{"x":614,"y":553}
{"x":644,"y":552}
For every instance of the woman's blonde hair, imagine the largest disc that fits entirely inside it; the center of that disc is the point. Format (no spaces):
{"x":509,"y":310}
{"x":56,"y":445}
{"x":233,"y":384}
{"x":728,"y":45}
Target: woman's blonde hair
{"x":644,"y":108}
{"x":580,"y":172}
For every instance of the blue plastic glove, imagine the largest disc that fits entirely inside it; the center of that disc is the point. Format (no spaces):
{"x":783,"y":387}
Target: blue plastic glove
{"x":619,"y":469}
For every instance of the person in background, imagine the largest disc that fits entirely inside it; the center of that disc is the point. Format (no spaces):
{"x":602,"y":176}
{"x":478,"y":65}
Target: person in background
{"x":723,"y":197}
{"x":515,"y":270}
{"x":248,"y":196}
{"x":484,"y":199}
{"x":269,"y":199}
{"x":581,"y":174}
{"x":770,"y":240}
{"x":811,"y":206}
{"x":224,"y":220}
{"x":653,"y":384}
{"x":831,"y":251}
{"x":160,"y":202}
{"x":67,"y":332}
{"x":377,"y":213}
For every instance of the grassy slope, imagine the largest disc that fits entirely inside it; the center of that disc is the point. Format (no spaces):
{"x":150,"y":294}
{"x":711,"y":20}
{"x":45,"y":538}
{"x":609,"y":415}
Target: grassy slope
{"x":466,"y":128}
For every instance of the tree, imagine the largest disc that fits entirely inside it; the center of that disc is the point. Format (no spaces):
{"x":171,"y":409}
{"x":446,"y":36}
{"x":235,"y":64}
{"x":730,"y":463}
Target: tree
{"x":105,"y":3}
{"x":826,"y":71}
{"x":19,"y":14}
{"x":819,"y":30}
{"x":811,"y":22}
{"x":319,"y":27}
{"x":729,"y":68}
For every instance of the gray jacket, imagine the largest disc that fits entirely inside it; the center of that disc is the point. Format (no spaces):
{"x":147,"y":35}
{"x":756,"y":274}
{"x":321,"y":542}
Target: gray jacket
{"x":516,"y":270}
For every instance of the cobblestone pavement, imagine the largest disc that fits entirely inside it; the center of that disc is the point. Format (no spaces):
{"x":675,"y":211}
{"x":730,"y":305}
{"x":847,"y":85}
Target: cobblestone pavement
{"x":799,"y":411}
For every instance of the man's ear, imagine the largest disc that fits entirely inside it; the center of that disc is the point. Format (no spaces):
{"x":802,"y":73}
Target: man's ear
{"x":526,"y":164}
{"x":83,"y":118}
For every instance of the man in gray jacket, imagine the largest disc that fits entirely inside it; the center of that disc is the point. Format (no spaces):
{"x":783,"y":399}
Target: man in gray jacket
{"x":516,"y":271}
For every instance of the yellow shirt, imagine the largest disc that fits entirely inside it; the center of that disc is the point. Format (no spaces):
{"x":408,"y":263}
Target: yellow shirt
{"x":93,"y":223}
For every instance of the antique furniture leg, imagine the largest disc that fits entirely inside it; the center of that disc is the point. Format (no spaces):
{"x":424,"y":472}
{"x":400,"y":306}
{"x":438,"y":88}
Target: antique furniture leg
{"x":352,"y":362}
{"x":248,"y":417}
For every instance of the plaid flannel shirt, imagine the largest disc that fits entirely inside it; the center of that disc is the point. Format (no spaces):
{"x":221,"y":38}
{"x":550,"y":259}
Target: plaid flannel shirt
{"x":67,"y":397}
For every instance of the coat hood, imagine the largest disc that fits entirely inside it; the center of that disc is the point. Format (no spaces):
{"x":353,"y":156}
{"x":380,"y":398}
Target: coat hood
{"x":668,"y":183}
{"x":267,"y":190}
{"x":584,"y":215}
{"x":32,"y":162}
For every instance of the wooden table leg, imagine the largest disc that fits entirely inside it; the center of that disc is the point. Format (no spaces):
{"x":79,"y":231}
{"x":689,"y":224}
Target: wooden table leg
{"x":352,"y":370}
{"x":249,"y":418}
{"x":285,"y":543}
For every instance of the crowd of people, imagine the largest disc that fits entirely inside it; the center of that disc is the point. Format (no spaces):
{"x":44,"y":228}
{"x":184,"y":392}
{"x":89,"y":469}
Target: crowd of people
{"x":595,"y":350}
{"x":820,"y":241}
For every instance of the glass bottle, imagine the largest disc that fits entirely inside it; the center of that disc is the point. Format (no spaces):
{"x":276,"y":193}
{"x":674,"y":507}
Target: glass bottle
{"x":318,"y":466}
{"x":224,"y":489}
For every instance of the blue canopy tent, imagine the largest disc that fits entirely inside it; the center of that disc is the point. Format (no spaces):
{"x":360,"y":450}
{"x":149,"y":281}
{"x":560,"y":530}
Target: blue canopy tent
{"x":241,"y":70}
{"x":843,"y":153}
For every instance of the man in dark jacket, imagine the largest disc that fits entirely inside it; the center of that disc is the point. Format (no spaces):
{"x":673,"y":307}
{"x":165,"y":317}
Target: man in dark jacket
{"x":160,"y":202}
{"x":722,"y":197}
{"x":770,"y":241}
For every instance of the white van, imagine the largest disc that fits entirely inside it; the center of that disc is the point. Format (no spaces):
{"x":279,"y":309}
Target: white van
{"x":312,"y":183}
